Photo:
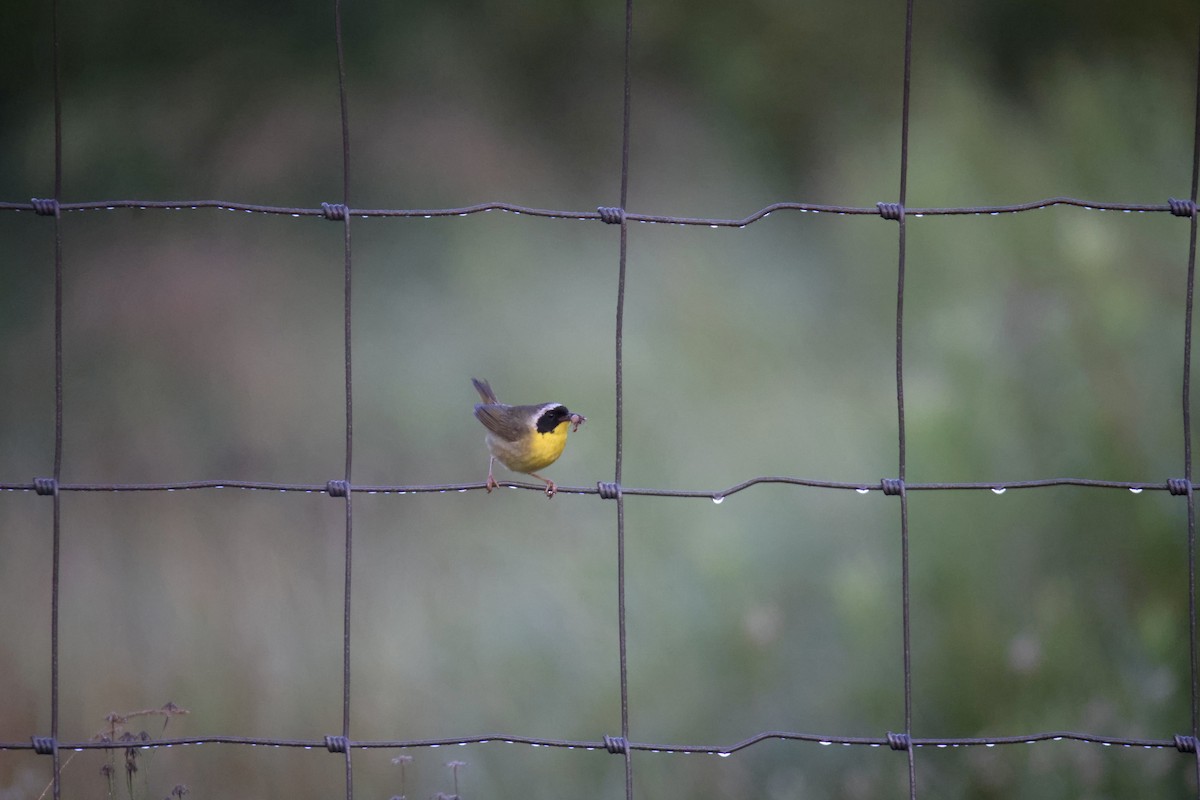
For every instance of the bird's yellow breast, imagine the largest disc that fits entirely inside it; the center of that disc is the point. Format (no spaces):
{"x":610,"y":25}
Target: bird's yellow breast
{"x":533,"y":452}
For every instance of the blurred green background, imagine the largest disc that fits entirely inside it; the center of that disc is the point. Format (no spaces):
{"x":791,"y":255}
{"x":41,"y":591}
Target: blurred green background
{"x":208,"y":344}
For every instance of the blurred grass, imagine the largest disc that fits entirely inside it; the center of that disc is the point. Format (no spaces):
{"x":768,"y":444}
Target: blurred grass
{"x":208,"y":344}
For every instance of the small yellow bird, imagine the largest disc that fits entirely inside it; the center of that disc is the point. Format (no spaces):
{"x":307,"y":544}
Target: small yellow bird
{"x":524,"y":438}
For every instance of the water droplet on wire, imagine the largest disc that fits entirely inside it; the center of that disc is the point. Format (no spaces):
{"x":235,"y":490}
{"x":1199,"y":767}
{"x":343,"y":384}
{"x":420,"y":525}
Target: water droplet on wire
{"x":999,"y":490}
{"x":718,"y":499}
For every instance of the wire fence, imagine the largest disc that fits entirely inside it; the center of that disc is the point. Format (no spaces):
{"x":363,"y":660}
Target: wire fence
{"x":620,"y":743}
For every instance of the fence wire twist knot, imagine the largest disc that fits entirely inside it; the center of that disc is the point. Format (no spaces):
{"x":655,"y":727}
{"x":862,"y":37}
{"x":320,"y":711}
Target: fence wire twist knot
{"x":44,"y":745}
{"x":892,"y":211}
{"x":1181,"y":208}
{"x":617,"y":745}
{"x":608,"y":491}
{"x":335,"y":211}
{"x":45,"y":207}
{"x":611,"y":216}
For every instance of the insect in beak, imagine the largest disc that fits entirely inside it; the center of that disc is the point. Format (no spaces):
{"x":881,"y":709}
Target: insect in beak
{"x":576,"y":421}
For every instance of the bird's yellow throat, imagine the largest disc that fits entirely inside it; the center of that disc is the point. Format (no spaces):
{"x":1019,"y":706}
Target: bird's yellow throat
{"x":543,"y":450}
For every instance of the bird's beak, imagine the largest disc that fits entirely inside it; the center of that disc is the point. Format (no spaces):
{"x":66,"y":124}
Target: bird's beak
{"x":576,"y":421}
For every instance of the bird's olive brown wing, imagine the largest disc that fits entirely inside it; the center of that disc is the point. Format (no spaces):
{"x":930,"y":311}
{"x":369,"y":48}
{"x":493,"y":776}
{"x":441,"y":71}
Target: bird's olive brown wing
{"x":501,"y":420}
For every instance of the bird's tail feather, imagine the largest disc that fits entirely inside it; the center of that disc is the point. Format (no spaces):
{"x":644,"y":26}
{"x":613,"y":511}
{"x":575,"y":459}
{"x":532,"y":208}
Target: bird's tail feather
{"x":485,"y":391}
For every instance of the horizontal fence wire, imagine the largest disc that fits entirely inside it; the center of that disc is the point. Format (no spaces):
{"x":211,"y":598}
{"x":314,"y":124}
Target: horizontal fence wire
{"x":345,"y":489}
{"x":612,"y":744}
{"x":608,"y":491}
{"x":337,"y":211}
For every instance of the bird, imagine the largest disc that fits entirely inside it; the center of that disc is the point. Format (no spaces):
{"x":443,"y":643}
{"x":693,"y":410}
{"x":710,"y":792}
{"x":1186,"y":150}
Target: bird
{"x":523,"y":438}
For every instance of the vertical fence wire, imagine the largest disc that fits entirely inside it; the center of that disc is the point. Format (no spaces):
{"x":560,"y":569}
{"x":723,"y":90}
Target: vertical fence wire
{"x":56,"y":498}
{"x":348,"y":366}
{"x":619,"y":381}
{"x":905,"y":588}
{"x":1187,"y":431}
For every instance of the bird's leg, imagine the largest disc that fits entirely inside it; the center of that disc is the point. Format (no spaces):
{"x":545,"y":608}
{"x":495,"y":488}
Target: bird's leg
{"x":491,"y":481}
{"x":551,"y":488}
